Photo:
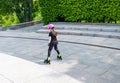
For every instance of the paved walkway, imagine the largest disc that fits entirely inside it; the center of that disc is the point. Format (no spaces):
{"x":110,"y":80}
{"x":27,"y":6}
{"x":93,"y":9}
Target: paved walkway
{"x":86,"y":59}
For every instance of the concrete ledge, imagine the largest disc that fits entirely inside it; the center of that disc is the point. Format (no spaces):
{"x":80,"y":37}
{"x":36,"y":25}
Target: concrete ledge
{"x":83,"y":33}
{"x":16,"y":70}
{"x":2,"y":28}
{"x":22,"y":25}
{"x":87,"y":28}
{"x":86,"y":23}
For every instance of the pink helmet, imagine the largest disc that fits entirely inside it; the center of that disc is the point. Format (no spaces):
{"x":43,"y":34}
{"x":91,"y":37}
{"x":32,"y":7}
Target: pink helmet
{"x":50,"y":26}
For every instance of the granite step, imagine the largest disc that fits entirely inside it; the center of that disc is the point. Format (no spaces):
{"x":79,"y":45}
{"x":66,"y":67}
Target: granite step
{"x":83,"y":33}
{"x":73,"y":26}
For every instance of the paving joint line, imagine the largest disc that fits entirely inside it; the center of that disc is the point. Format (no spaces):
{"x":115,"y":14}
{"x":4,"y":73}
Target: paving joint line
{"x":102,"y":46}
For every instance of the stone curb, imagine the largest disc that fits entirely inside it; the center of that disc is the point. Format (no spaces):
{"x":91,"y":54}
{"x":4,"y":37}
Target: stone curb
{"x":22,"y":25}
{"x":3,"y":28}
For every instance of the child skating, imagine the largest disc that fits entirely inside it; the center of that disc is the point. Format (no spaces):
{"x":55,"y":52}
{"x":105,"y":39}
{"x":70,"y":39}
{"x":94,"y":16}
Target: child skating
{"x":53,"y":41}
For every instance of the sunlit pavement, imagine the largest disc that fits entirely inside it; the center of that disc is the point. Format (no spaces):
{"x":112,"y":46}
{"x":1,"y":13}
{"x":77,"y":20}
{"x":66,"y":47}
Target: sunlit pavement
{"x":16,"y":70}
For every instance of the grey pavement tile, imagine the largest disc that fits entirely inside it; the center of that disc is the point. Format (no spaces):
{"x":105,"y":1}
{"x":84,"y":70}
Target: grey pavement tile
{"x":112,"y":43}
{"x":95,"y":40}
{"x":96,"y":70}
{"x":110,"y":60}
{"x":116,"y":56}
{"x":105,"y":52}
{"x":112,"y":77}
{"x":88,"y":77}
{"x":115,"y":70}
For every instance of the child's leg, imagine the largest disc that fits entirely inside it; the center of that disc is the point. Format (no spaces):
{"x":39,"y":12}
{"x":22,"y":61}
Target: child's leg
{"x":50,"y":49}
{"x":56,"y":48}
{"x":49,"y":53}
{"x":59,"y":57}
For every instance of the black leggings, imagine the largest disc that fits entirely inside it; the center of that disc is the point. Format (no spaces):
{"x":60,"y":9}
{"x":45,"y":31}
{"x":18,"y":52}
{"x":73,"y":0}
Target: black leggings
{"x":53,"y":44}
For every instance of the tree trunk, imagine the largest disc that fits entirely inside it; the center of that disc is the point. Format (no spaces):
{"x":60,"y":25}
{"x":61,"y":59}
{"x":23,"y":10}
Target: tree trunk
{"x":18,"y":11}
{"x":25,"y":10}
{"x":30,"y":10}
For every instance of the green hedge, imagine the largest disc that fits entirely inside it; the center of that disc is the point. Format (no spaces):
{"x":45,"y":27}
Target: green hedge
{"x":107,"y":11}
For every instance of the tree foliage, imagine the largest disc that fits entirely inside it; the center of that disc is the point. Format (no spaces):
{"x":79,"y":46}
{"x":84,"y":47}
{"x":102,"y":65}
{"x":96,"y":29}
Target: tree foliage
{"x":24,"y":10}
{"x":80,"y":10}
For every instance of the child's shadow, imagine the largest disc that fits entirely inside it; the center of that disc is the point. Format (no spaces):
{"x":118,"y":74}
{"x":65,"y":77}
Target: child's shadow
{"x":42,"y":63}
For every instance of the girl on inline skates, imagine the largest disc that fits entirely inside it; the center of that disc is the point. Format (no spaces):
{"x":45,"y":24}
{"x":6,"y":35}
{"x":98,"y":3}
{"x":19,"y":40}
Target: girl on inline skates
{"x":53,"y":42}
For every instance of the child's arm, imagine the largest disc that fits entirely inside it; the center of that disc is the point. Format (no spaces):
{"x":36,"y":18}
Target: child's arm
{"x":57,"y":39}
{"x":49,"y":41}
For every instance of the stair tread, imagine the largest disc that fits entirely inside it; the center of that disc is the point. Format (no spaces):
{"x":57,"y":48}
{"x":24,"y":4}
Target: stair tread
{"x":79,"y":31}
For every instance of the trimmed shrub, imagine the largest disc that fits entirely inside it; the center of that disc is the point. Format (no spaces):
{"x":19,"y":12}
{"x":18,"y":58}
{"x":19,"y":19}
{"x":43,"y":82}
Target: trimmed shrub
{"x":106,"y":11}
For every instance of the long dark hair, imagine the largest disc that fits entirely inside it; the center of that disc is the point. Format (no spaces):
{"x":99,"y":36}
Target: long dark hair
{"x":53,"y":32}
